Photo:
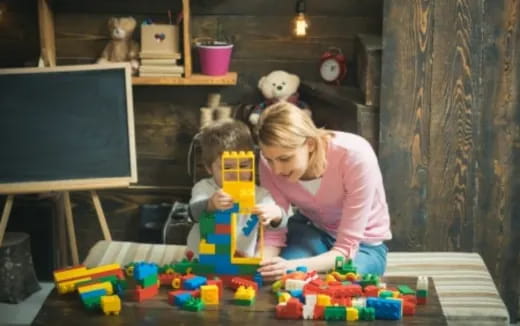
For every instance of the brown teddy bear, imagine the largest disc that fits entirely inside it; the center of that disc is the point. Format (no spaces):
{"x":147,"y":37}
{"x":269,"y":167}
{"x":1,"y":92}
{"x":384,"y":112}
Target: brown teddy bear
{"x":121,"y":48}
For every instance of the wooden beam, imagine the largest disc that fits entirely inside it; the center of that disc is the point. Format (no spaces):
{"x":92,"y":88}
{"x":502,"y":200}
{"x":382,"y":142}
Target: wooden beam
{"x":47,"y":38}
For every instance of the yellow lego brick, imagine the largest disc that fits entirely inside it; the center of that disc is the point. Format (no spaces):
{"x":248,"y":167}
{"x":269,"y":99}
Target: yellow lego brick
{"x":209,"y":294}
{"x":323,"y":300}
{"x":66,"y":274}
{"x":245,"y":293}
{"x":206,"y":248}
{"x":284,"y":297}
{"x":111,"y":304}
{"x":83,"y":272}
{"x":176,"y":283}
{"x":276,"y":286}
{"x":104,"y":285}
{"x":352,"y":314}
{"x":70,"y":286}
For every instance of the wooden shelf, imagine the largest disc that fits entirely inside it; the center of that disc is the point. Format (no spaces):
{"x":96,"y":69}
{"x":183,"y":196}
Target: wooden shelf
{"x":195,"y":79}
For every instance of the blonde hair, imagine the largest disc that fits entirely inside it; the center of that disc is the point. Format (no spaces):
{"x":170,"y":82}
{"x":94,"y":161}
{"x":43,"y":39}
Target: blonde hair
{"x":285,"y":125}
{"x":224,"y":135}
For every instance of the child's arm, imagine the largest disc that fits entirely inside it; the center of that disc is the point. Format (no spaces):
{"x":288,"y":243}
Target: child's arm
{"x":268,"y":211}
{"x":207,"y":196}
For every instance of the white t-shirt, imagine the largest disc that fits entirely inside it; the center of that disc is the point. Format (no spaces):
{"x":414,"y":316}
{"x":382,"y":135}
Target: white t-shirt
{"x":311,"y":186}
{"x":199,"y":197}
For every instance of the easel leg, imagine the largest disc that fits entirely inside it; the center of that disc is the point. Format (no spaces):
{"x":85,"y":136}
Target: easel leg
{"x":5,"y":216}
{"x":101,"y":216}
{"x":70,"y":228}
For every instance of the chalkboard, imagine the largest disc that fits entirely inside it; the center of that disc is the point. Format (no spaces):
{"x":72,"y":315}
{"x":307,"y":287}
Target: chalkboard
{"x":66,"y":128}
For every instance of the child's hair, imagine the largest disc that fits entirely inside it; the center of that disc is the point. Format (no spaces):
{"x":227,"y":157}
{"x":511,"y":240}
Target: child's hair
{"x":285,"y":125}
{"x":224,"y":135}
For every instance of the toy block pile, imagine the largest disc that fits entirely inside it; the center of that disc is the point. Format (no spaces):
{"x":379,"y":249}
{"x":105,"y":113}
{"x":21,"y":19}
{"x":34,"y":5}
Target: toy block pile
{"x":98,"y":288}
{"x":344,"y":294}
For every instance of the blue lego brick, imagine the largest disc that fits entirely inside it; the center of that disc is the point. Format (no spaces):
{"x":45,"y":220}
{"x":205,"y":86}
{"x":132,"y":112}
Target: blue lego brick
{"x":194,"y":282}
{"x":258,"y":279}
{"x":92,"y":294}
{"x":385,"y":308}
{"x":226,"y":269}
{"x":301,"y":269}
{"x":143,"y":270}
{"x":219,"y":238}
{"x":297,"y":294}
{"x":250,"y":225}
{"x":222,"y":217}
{"x":182,"y":298}
{"x":214,"y":259}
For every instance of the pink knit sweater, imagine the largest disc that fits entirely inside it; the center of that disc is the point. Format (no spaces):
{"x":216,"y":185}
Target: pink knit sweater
{"x":350,"y":204}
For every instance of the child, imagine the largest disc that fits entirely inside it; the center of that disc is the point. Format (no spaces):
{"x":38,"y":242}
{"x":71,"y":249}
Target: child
{"x":207,"y":195}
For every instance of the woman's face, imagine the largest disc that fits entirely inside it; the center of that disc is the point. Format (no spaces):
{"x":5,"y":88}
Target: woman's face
{"x":288,"y":163}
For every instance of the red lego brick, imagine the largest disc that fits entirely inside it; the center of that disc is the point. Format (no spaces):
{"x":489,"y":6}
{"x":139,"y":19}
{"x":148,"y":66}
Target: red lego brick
{"x":292,"y":310}
{"x":408,"y":308}
{"x":421,"y":301}
{"x":344,"y":301}
{"x":222,"y":228}
{"x":319,"y":312}
{"x":141,"y":294}
{"x":410,"y":298}
{"x":236,"y":282}
{"x":371,"y":291}
{"x":171,"y":295}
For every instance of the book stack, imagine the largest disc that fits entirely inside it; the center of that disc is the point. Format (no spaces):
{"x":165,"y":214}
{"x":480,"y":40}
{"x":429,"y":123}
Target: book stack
{"x":160,"y":51}
{"x":154,"y":64}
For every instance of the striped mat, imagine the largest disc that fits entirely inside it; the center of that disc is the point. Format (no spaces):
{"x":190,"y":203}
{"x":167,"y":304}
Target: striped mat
{"x":466,"y":290}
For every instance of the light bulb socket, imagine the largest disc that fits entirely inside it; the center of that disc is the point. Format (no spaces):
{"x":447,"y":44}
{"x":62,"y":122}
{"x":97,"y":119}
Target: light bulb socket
{"x":300,"y":6}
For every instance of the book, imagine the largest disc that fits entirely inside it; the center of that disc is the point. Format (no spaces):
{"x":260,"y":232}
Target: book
{"x":158,"y":55}
{"x":152,"y":62}
{"x":160,"y":68}
{"x":159,"y":74}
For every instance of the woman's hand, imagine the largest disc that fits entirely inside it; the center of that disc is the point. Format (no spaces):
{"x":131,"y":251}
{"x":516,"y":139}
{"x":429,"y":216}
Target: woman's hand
{"x":273,"y":268}
{"x":268,"y":214}
{"x":220,"y":200}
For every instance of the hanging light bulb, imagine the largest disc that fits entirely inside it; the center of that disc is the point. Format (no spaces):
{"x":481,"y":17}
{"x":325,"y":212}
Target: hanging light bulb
{"x":300,"y":22}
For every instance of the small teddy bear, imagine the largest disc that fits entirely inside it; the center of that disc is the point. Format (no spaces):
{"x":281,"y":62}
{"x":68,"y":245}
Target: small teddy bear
{"x":121,"y":48}
{"x":278,"y":86}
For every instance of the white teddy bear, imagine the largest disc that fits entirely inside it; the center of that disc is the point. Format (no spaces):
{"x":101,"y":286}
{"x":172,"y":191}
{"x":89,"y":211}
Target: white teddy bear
{"x":278,"y":86}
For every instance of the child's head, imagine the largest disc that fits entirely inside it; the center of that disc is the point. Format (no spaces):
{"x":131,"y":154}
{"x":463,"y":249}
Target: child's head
{"x":220,"y":136}
{"x":290,"y":141}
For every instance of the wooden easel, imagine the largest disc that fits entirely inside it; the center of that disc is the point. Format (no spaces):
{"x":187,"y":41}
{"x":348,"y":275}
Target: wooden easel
{"x":73,"y":246}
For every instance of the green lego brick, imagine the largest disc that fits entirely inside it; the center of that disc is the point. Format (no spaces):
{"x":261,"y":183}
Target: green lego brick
{"x":183,"y":266}
{"x":369,"y":279}
{"x":335,"y":313}
{"x":386,"y":294}
{"x":203,"y":269}
{"x":222,"y":249}
{"x":405,"y":289}
{"x":206,"y":224}
{"x":92,"y":303}
{"x":148,"y":281}
{"x":247,"y":269}
{"x":193,"y":304}
{"x":367,"y":313}
{"x":422,"y":293}
{"x":242,"y":302}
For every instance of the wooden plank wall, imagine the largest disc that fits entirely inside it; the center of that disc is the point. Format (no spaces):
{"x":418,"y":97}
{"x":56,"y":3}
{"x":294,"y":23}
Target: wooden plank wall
{"x":167,"y":117}
{"x":450,"y":121}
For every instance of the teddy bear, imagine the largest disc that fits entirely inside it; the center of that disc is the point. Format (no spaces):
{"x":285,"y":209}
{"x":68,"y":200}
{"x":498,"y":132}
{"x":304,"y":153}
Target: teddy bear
{"x":121,"y":48}
{"x":278,"y":86}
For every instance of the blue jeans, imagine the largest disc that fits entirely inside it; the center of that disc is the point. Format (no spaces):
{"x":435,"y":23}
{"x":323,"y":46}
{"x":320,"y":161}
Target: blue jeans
{"x":306,"y":240}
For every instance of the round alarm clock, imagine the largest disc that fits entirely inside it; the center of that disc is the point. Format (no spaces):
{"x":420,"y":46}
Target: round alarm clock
{"x":333,"y":68}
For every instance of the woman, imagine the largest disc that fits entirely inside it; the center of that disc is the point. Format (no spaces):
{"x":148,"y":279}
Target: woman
{"x":334,"y":181}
